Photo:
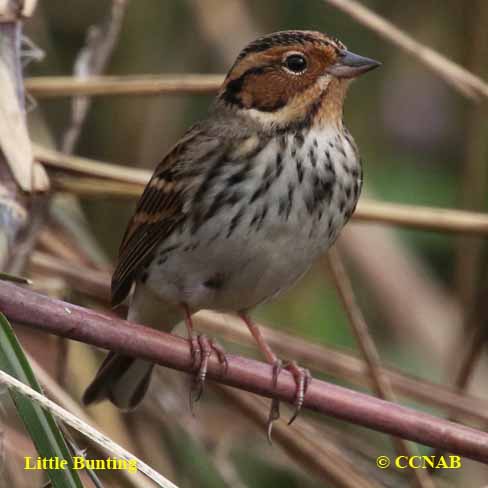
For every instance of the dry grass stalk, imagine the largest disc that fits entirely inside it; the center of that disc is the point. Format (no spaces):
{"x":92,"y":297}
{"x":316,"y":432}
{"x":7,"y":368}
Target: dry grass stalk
{"x":14,"y":10}
{"x":64,"y":86}
{"x":420,"y":217}
{"x":93,"y":282}
{"x":419,"y":310}
{"x":95,"y":188}
{"x":369,"y":352}
{"x":62,"y":398}
{"x":473,"y":170}
{"x":302,"y":443}
{"x":134,"y":180}
{"x":81,"y":426}
{"x":92,"y":60}
{"x":89,"y":167}
{"x":14,"y":139}
{"x":462,"y":80}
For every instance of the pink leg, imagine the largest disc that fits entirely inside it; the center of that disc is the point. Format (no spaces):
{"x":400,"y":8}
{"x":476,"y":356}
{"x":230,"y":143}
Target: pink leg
{"x":201,"y":348}
{"x":302,"y":376}
{"x":196,"y":352}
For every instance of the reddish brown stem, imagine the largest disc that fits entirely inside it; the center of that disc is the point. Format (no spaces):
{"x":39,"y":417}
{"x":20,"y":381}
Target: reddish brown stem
{"x":81,"y":324}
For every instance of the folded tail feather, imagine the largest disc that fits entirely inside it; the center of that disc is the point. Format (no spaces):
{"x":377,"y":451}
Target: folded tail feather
{"x":122,"y":379}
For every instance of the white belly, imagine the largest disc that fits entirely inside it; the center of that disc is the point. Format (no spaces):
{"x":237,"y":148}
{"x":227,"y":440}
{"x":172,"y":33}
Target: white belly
{"x":248,"y":252}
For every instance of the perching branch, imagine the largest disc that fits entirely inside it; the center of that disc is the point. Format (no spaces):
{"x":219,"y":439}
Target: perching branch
{"x":323,"y":358}
{"x":57,"y":317}
{"x":343,"y":365}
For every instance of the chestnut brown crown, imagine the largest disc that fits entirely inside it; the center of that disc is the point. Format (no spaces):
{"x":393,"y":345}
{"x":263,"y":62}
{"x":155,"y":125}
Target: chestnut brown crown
{"x":287,"y":71}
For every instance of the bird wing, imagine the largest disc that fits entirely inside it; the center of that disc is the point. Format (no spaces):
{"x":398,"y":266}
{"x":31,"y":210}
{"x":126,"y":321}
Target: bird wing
{"x":164,"y":203}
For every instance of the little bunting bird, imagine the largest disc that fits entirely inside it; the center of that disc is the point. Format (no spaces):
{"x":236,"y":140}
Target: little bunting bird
{"x":242,"y":205}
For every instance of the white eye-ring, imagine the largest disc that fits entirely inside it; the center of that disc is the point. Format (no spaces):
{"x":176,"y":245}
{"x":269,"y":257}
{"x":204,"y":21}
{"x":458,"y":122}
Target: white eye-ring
{"x":295,"y":62}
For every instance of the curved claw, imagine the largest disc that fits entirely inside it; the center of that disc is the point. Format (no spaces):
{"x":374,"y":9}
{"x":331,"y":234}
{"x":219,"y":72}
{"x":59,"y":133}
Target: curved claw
{"x":201,"y":349}
{"x":195,"y":350}
{"x":277,"y":368}
{"x":274,"y":414}
{"x":274,"y":411}
{"x":195,"y":393}
{"x":303,"y":378}
{"x":221,"y":356}
{"x":205,"y":351}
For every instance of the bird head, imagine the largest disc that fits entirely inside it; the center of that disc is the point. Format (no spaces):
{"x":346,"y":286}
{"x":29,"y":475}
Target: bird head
{"x":292,"y":77}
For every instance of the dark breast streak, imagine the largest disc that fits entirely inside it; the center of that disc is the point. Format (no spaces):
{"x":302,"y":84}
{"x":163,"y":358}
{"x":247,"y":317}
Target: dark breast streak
{"x":317,"y":178}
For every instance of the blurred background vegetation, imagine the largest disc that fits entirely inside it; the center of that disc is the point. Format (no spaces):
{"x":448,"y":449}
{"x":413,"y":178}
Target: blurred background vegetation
{"x":422,"y":143}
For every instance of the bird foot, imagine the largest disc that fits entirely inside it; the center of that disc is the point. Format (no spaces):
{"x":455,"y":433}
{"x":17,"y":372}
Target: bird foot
{"x":201,"y":348}
{"x":302,"y":379}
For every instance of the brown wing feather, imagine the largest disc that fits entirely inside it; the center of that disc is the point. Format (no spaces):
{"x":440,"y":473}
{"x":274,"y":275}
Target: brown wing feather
{"x":161,"y":207}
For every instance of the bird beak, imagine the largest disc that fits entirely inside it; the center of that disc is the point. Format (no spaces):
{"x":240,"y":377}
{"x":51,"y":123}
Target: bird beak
{"x":350,"y":65}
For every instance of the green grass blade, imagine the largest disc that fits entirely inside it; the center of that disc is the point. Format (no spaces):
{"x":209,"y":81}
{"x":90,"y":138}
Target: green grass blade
{"x":40,"y":424}
{"x":15,"y":278}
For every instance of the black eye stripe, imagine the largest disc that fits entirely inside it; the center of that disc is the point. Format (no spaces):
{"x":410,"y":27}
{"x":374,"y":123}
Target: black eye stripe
{"x":234,"y":87}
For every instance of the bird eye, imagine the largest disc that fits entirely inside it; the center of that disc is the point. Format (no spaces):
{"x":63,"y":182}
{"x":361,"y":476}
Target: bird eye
{"x":296,"y":63}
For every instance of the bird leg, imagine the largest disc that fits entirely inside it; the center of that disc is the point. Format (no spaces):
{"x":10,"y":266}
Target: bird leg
{"x":201,"y":347}
{"x":301,"y":376}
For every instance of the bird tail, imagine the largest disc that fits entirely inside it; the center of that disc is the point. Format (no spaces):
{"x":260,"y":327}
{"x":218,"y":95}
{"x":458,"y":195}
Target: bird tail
{"x":122,"y":379}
